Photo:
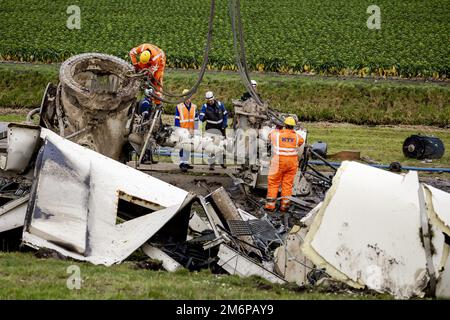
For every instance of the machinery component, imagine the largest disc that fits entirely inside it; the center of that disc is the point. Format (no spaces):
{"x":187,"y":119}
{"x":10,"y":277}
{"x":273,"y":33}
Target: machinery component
{"x":319,"y":148}
{"x":395,"y":167}
{"x":91,"y":104}
{"x":423,"y":147}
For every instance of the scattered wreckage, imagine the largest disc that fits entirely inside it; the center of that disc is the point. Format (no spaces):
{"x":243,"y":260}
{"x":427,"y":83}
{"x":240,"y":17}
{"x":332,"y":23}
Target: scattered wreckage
{"x":386,"y":232}
{"x":62,"y":189}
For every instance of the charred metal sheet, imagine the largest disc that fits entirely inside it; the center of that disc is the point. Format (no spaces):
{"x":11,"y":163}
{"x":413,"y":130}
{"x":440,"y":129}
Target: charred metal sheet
{"x":141,"y":202}
{"x":12,"y":214}
{"x":235,"y":263}
{"x":75,"y":204}
{"x":368,"y":232}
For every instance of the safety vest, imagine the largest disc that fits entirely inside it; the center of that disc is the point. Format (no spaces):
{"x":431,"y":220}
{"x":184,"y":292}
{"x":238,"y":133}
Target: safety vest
{"x":187,"y":117}
{"x":285,"y":142}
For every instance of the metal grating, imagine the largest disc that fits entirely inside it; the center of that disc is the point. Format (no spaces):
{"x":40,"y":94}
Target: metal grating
{"x":249,"y":228}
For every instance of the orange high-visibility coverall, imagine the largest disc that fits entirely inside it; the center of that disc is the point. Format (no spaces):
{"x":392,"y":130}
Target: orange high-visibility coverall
{"x":156,"y":64}
{"x":283,"y":166}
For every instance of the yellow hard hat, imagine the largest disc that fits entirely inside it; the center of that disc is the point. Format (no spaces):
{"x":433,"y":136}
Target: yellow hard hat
{"x":145,"y":57}
{"x":289,"y":121}
{"x":185,"y":91}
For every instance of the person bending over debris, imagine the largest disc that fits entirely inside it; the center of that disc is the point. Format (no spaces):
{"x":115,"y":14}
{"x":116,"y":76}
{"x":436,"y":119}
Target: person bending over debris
{"x":153,"y":60}
{"x":216,"y":117}
{"x":247,"y":94}
{"x":283,"y":165}
{"x":186,"y":117}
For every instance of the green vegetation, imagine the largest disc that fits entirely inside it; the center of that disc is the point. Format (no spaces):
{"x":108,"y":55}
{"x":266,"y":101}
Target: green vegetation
{"x":359,"y":101}
{"x":317,"y":36}
{"x":27,"y":277}
{"x":382,"y":143}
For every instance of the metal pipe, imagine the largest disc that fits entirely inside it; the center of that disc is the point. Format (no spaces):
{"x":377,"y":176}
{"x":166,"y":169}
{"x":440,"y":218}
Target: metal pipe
{"x":149,"y":135}
{"x":32,"y":113}
{"x":385,"y":166}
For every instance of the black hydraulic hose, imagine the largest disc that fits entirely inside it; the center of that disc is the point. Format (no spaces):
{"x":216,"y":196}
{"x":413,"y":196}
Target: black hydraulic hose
{"x":252,"y":91}
{"x":319,"y":173}
{"x":203,"y":68}
{"x":239,"y":48}
{"x":323,"y":159}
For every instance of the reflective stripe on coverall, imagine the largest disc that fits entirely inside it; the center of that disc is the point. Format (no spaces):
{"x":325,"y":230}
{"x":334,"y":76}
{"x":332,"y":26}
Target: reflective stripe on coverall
{"x":156,"y":64}
{"x":283,"y":166}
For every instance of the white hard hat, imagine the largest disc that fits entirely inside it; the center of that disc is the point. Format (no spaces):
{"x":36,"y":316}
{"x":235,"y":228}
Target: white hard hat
{"x":254,"y":83}
{"x":209,"y":95}
{"x":148,"y":92}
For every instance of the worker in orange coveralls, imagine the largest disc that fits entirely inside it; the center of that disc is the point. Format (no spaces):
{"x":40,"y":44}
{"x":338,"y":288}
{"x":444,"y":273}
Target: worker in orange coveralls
{"x":153,"y":59}
{"x":283,"y":165}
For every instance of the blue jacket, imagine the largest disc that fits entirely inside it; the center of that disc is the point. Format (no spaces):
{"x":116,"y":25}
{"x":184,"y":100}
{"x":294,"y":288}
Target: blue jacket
{"x":145,"y":105}
{"x":215,"y":122}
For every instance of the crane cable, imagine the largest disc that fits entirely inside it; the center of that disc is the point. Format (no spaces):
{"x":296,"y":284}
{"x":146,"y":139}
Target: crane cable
{"x":239,"y":48}
{"x":203,"y":68}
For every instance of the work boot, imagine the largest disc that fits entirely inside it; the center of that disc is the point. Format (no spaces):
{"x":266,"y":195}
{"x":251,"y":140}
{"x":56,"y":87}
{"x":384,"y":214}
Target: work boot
{"x":270,"y":204}
{"x":189,"y":166}
{"x":211,"y":167}
{"x":183,"y":167}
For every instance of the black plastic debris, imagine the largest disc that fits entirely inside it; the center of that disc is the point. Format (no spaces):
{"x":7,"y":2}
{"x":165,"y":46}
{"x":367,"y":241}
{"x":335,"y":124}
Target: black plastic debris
{"x":423,"y":147}
{"x":320,"y":148}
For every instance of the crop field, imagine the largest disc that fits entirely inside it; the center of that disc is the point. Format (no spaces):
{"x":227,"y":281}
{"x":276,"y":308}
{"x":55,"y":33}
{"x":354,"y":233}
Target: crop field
{"x":292,"y":36}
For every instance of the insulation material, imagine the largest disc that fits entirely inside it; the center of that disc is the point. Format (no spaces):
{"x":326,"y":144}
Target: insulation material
{"x":76,"y":201}
{"x":438,"y":208}
{"x":368,"y":231}
{"x":443,"y":283}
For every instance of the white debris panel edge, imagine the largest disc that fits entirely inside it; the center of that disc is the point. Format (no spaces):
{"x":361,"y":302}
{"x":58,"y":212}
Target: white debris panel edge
{"x":368,"y":232}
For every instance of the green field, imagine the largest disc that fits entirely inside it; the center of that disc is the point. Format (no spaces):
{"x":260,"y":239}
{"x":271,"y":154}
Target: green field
{"x":315,"y":36}
{"x":24,"y":276}
{"x":358,"y":101}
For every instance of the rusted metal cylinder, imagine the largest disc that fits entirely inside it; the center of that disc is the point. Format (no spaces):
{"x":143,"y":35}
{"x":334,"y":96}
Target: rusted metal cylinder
{"x":92,"y":102}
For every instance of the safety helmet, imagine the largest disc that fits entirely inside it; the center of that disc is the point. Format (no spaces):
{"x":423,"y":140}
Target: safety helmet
{"x":289,"y":121}
{"x":148,"y":92}
{"x":185,"y":91}
{"x":209,"y":95}
{"x":145,"y":57}
{"x":254,"y":83}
